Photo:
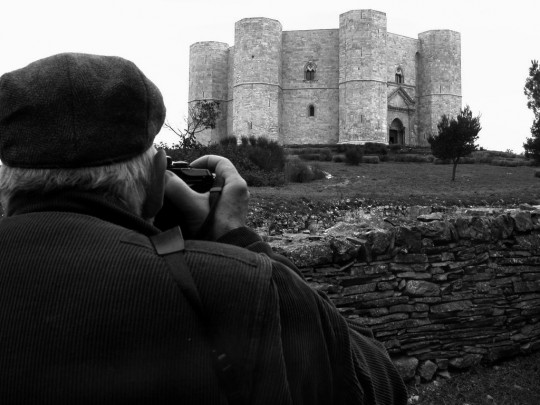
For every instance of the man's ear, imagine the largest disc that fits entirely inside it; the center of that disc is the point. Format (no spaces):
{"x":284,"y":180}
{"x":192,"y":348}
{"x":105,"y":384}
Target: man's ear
{"x":156,"y":189}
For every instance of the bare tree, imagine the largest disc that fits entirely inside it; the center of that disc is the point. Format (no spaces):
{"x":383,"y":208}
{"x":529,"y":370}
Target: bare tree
{"x":202,"y":115}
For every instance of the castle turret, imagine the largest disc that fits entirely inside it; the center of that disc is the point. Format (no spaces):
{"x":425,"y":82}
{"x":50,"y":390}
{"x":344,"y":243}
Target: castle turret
{"x":438,"y":79}
{"x":362,"y":77}
{"x":208,"y":72}
{"x":257,"y":78}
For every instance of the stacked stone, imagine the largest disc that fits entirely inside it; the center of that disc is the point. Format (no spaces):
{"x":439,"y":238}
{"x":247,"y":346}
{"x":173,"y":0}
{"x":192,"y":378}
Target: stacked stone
{"x":440,"y":293}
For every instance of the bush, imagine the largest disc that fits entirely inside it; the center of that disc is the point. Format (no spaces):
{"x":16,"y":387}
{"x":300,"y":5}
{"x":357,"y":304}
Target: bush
{"x":230,"y":140}
{"x":353,"y":155}
{"x":338,"y":158}
{"x":310,"y":156}
{"x":299,"y":172}
{"x":395,"y":147}
{"x":438,"y":161}
{"x":259,"y":160}
{"x":412,"y":158}
{"x":326,"y":155}
{"x":370,"y":159}
{"x":260,"y":178}
{"x":268,"y":155}
{"x":512,"y":162}
{"x":374,"y":148}
{"x":537,"y":173}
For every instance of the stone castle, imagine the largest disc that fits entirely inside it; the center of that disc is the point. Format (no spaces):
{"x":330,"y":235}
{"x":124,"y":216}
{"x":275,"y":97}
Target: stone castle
{"x":355,"y":84}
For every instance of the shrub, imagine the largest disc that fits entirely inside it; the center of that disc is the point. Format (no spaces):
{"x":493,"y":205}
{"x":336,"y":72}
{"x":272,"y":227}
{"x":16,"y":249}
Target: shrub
{"x":537,"y":173}
{"x":370,"y":159}
{"x":412,"y":158}
{"x":260,"y":178}
{"x":438,"y":161}
{"x":353,"y":155}
{"x":230,"y":140}
{"x":300,"y":172}
{"x":504,"y":162}
{"x":374,"y":148}
{"x":326,"y":155}
{"x":267,"y":155}
{"x":338,"y":158}
{"x":395,"y":147}
{"x":258,"y":160}
{"x":310,"y":156}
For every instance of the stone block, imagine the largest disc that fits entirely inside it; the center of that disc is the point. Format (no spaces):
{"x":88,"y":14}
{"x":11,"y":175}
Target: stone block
{"x":466,"y":361}
{"x":502,"y":226}
{"x":409,"y":267}
{"x":479,"y":228}
{"x":420,"y":288}
{"x":451,"y":306}
{"x":402,"y":308}
{"x":427,"y":370}
{"x":408,"y":239}
{"x":411,"y":258}
{"x":343,"y":250}
{"x":309,"y":254}
{"x":526,"y":286}
{"x":440,"y":231}
{"x":522,"y":220}
{"x":359,"y":289}
{"x":406,"y":367}
{"x":380,"y":240}
{"x":414,"y":275}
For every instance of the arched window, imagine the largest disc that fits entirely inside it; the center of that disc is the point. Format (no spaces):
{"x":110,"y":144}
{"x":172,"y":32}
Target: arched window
{"x":399,"y":75}
{"x":311,"y":110}
{"x":309,"y":71}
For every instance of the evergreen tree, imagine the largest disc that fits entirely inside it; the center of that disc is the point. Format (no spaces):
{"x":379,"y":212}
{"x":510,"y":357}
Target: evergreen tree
{"x":456,"y":137}
{"x":532,"y":91}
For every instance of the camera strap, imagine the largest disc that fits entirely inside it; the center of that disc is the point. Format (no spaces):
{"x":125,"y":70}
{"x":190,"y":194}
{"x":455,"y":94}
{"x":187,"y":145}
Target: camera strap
{"x":170,"y":246}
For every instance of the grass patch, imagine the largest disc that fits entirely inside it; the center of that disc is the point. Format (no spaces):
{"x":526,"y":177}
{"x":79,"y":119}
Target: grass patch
{"x":411,"y":183}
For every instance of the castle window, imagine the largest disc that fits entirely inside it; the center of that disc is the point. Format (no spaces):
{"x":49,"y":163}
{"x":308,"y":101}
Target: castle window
{"x":399,"y":75}
{"x":250,"y":125}
{"x":309,"y":71}
{"x":311,"y":110}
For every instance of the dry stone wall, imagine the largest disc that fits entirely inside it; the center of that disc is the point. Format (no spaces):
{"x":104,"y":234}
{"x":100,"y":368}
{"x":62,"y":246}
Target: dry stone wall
{"x":443,"y":292}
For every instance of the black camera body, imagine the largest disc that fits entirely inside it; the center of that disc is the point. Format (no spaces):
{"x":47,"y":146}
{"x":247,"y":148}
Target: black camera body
{"x":200,"y":180}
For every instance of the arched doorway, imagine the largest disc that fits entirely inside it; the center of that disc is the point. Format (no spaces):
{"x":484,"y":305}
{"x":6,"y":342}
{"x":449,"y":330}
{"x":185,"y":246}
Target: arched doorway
{"x":397,"y":133}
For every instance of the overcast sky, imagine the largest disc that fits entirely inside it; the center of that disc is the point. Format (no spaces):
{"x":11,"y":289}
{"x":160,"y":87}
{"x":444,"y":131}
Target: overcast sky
{"x":498,"y":41}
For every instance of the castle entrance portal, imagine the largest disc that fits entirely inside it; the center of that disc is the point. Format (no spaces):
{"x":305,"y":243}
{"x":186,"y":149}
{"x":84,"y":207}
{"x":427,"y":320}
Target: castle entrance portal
{"x":397,"y":133}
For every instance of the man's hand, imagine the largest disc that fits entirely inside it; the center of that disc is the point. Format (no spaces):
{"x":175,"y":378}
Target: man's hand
{"x":231,"y":210}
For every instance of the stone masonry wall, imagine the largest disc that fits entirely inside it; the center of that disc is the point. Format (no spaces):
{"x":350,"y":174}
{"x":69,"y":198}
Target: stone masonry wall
{"x":260,"y":81}
{"x":442,"y":292}
{"x":322,"y":48}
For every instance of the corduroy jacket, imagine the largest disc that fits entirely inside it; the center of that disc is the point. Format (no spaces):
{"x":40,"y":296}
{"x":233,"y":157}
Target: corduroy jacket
{"x":90,"y":314}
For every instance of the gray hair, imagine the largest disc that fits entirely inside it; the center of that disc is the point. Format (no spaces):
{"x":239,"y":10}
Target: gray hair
{"x":125,"y":181}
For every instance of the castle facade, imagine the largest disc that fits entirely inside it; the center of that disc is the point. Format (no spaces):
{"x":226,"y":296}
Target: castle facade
{"x":355,"y":84}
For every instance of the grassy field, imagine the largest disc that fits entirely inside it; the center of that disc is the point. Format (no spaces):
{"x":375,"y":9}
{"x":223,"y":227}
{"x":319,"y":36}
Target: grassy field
{"x":415,"y":184}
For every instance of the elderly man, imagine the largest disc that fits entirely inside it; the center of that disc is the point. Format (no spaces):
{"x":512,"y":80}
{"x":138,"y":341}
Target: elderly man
{"x":100,"y":306}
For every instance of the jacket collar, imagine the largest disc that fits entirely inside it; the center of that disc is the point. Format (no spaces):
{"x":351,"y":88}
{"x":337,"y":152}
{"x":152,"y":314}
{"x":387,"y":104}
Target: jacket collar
{"x":81,"y":202}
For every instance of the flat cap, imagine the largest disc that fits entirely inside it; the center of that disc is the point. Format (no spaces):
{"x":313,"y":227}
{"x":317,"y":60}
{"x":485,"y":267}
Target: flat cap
{"x":77,"y":110}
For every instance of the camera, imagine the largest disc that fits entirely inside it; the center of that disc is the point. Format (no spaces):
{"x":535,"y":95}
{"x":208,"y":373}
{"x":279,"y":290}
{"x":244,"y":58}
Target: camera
{"x":200,"y":180}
